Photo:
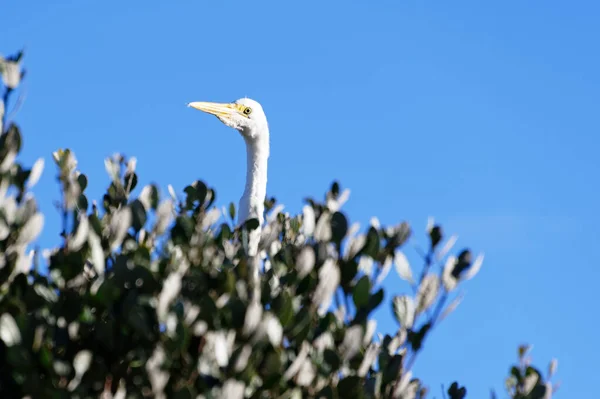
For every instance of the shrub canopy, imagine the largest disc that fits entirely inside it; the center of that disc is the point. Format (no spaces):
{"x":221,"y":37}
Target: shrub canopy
{"x":150,"y":295}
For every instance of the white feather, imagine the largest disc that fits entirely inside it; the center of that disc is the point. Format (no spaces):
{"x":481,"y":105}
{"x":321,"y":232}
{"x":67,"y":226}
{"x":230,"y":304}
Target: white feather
{"x":248,"y":118}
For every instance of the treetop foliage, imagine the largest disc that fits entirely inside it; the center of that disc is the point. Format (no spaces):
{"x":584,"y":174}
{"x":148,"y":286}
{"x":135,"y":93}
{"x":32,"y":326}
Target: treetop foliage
{"x":152,"y":295}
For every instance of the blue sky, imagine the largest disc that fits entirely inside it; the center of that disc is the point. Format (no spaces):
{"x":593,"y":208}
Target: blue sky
{"x":481,"y":114}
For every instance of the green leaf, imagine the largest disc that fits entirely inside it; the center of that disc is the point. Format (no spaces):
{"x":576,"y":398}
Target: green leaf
{"x":18,"y":357}
{"x":17,"y":57}
{"x":416,"y":338}
{"x":237,"y":312}
{"x":392,"y":369}
{"x":11,"y":140}
{"x":372,"y":243}
{"x":538,"y":392}
{"x":348,"y":271}
{"x":154,"y":197}
{"x":191,"y":196}
{"x":96,"y":224}
{"x":130,"y":181}
{"x":335,"y":189}
{"x":436,"y":236}
{"x":327,"y":393}
{"x":212,"y":197}
{"x":21,"y":177}
{"x":137,"y":317}
{"x":201,"y":190}
{"x":138,"y":215}
{"x":182,"y":231}
{"x":224,"y":233}
{"x":457,"y":392}
{"x":83,"y":182}
{"x":196,"y":192}
{"x":69,"y":264}
{"x":270,"y":203}
{"x":339,"y":227}
{"x":143,"y":280}
{"x":251,"y":224}
{"x":82,"y":203}
{"x":185,"y":392}
{"x":361,"y":290}
{"x":516,"y":372}
{"x":271,"y":368}
{"x":351,"y":387}
{"x":332,"y":359}
{"x":106,"y":293}
{"x":300,"y":326}
{"x":373,"y":385}
{"x":285,"y":310}
{"x":232,"y":211}
{"x":375,"y":299}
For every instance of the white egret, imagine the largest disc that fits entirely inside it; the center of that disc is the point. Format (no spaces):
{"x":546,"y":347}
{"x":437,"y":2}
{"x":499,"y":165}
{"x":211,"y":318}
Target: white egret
{"x":247,"y":117}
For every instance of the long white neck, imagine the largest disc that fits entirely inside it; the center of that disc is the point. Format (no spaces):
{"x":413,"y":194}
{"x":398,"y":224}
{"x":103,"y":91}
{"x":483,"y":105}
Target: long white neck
{"x":253,"y":199}
{"x":252,"y":203}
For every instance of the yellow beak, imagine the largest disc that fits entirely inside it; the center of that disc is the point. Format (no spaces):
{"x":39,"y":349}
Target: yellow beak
{"x":217,"y":109}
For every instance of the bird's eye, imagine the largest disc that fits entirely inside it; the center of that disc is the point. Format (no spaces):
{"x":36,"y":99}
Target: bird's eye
{"x":247,"y":111}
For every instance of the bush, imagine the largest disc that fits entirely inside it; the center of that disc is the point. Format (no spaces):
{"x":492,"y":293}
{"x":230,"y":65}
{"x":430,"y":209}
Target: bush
{"x":150,"y":295}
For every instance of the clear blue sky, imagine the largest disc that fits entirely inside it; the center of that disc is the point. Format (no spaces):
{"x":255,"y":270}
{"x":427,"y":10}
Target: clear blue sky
{"x":482,"y":114}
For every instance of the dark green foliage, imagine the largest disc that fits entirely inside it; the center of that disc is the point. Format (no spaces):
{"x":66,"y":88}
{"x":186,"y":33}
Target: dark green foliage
{"x":456,"y":392}
{"x":151,"y":295}
{"x":526,"y":381}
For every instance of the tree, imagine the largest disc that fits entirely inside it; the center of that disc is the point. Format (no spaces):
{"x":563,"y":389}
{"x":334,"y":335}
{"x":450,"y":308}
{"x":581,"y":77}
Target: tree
{"x":149,"y":295}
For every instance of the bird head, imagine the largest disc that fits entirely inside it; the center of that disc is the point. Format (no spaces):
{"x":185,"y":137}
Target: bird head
{"x":244,"y":115}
